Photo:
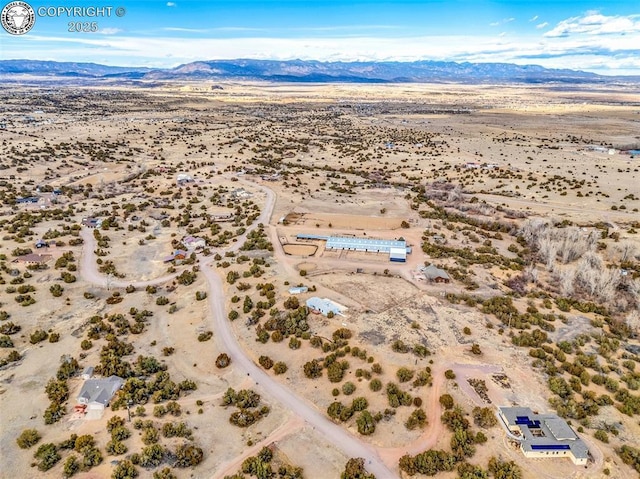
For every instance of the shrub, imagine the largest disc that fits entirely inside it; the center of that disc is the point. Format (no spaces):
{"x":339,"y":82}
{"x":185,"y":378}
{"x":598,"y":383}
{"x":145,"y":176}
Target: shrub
{"x":366,"y":424}
{"x":348,"y":388}
{"x":205,"y":336}
{"x":266,"y":362}
{"x":313,"y":369}
{"x":56,"y":290}
{"x":124,"y":470}
{"x":446,"y":401}
{"x":188,"y":455}
{"x":417,"y":419}
{"x":375,"y":385}
{"x":405,"y":374}
{"x":449,"y":374}
{"x":37,"y":336}
{"x":279,"y":368}
{"x":484,"y":417}
{"x":223,"y":360}
{"x":48,"y":456}
{"x":28,"y":438}
{"x":601,"y":435}
{"x":201,"y":295}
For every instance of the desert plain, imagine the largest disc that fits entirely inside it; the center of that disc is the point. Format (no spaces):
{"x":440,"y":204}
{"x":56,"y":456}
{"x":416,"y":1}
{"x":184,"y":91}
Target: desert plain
{"x":526,"y":196}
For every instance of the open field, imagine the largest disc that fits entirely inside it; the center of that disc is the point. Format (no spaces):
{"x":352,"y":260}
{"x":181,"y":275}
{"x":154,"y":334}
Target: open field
{"x":523,"y":195}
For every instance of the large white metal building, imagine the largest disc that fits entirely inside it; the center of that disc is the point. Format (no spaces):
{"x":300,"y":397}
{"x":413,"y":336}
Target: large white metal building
{"x":397,"y":249}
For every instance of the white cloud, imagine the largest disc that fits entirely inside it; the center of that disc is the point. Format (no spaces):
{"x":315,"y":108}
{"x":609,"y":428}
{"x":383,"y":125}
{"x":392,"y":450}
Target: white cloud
{"x":502,"y":34}
{"x":608,"y":53}
{"x":185,"y":30}
{"x":502,"y":22}
{"x":542,"y":25}
{"x":534,"y":18}
{"x":171,"y":4}
{"x":110,"y":31}
{"x":594,"y":23}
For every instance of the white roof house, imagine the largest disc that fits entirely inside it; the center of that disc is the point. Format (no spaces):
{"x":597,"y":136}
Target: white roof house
{"x":298,"y":290}
{"x":193,"y":242}
{"x":324,"y":306}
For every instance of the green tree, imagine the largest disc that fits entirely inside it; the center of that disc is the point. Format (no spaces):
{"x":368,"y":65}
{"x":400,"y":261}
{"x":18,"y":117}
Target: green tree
{"x":164,"y":473}
{"x":446,"y":401}
{"x":354,"y":469}
{"x":484,"y":417}
{"x":124,"y":470}
{"x":504,"y":470}
{"x":188,"y":455}
{"x":48,"y":456}
{"x":71,"y":466}
{"x":279,"y":368}
{"x":366,"y":424}
{"x":28,"y":438}
{"x":152,"y":456}
{"x":404,"y":374}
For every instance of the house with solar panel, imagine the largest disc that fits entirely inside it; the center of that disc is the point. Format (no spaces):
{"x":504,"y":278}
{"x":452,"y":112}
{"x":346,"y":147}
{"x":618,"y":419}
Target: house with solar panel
{"x":543,"y":435}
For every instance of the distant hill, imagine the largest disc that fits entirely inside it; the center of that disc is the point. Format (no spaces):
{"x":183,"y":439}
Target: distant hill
{"x":45,"y":68}
{"x":315,"y":71}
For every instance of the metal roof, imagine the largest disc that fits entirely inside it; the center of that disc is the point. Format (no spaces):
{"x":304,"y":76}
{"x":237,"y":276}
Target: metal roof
{"x":556,"y":433}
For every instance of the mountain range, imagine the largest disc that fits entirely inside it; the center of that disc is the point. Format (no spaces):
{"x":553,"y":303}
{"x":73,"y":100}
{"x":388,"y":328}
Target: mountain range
{"x":313,"y":71}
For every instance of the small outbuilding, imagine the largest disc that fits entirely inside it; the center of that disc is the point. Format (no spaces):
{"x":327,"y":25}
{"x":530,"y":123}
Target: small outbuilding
{"x":298,"y":290}
{"x":398,"y":255}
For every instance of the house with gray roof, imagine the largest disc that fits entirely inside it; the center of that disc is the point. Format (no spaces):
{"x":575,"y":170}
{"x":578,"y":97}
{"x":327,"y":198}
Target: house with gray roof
{"x":96,"y":394}
{"x":543,"y":435}
{"x":435,"y":274}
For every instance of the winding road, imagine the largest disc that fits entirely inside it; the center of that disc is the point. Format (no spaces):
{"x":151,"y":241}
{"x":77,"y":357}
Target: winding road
{"x":226,"y":340}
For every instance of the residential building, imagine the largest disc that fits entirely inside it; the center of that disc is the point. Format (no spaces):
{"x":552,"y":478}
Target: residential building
{"x":324,"y":306}
{"x":96,"y":394}
{"x":33,"y":258}
{"x":436,"y":275}
{"x":92,"y":222}
{"x":543,"y":435}
{"x":193,"y":242}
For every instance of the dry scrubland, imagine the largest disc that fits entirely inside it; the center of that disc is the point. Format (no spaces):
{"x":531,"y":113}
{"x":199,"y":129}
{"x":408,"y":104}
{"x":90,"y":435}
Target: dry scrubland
{"x":540,"y":239}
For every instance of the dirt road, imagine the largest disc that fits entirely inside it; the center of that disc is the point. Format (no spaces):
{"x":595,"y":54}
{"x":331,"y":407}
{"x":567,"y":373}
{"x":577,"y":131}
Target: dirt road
{"x":341,"y":439}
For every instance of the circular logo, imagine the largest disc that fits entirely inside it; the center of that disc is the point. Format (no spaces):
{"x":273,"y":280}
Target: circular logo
{"x":17,"y":18}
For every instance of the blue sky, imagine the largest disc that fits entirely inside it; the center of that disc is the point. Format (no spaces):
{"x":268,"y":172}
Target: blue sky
{"x":600,"y":36}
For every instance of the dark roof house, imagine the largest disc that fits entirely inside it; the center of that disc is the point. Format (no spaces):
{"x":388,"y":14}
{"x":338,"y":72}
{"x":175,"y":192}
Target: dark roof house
{"x":100,"y":390}
{"x":437,"y":275}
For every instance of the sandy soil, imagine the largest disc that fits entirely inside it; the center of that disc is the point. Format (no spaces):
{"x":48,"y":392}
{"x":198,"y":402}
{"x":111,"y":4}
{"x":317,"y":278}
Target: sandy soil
{"x":538,"y":136}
